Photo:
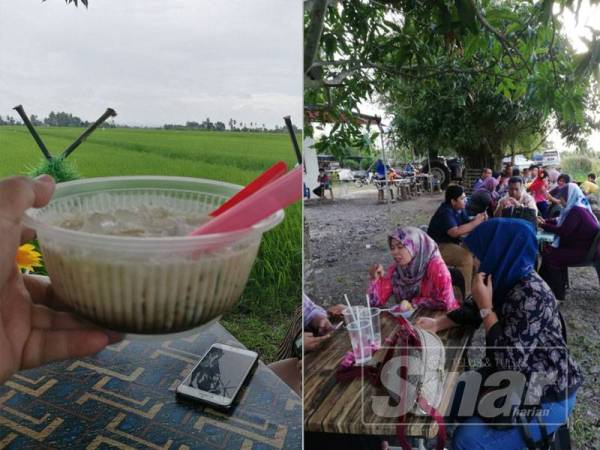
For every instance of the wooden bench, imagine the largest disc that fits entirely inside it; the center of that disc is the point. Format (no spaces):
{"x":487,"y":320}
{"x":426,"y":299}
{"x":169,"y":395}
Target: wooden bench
{"x":470,"y":176}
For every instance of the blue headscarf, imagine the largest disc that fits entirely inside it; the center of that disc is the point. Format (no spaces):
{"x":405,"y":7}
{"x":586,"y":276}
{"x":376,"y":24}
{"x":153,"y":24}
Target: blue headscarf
{"x":507,"y":249}
{"x":380,"y":168}
{"x":575,"y":197}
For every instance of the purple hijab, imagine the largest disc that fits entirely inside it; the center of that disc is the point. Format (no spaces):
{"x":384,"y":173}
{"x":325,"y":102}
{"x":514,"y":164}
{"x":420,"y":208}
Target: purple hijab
{"x":406,"y":281}
{"x":489,"y":184}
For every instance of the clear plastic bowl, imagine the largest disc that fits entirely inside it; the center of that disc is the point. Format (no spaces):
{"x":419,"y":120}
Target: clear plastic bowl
{"x":145,"y":285}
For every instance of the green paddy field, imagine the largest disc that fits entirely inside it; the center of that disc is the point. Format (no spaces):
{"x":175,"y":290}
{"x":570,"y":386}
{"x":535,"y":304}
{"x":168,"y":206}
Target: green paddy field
{"x":274,"y":290}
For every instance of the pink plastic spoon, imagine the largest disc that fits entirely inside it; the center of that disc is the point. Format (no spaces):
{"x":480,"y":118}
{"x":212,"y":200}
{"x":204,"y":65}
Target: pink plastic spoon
{"x":258,"y":206}
{"x":271,"y":174}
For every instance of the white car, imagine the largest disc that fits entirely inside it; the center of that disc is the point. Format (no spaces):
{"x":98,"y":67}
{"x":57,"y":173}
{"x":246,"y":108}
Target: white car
{"x":345,"y":175}
{"x":520,"y":162}
{"x":551,"y":158}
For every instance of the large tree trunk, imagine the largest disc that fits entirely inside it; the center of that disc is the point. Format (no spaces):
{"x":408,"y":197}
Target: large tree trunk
{"x":477,"y":159}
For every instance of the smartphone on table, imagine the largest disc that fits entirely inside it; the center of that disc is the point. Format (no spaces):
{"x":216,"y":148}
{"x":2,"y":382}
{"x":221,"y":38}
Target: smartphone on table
{"x":219,"y":376}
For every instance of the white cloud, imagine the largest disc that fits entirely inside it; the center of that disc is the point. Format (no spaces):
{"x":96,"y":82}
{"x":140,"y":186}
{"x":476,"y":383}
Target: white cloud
{"x":154,"y":61}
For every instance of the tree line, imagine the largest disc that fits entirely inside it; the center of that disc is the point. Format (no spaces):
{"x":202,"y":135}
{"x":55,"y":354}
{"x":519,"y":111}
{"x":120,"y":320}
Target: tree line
{"x":64,"y":119}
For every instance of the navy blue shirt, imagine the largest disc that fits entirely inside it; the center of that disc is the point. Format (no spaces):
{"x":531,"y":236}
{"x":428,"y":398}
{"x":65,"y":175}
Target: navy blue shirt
{"x":444,"y":219}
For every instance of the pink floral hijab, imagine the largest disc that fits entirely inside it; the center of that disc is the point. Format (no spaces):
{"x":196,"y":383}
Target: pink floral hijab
{"x":406,"y":281}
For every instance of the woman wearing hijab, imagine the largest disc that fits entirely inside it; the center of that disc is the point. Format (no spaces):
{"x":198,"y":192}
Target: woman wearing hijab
{"x":523,"y":335}
{"x":418,"y":273}
{"x":575,"y":230}
{"x":484,"y":198}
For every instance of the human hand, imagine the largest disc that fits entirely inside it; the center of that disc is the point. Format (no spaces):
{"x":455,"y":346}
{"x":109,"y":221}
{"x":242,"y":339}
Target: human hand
{"x":540,"y":220}
{"x":480,"y":218}
{"x":32,"y":333}
{"x":376,"y":271}
{"x":337,"y":310}
{"x":312,"y":342}
{"x":322,"y":325}
{"x":427,"y":323}
{"x":482,"y":290}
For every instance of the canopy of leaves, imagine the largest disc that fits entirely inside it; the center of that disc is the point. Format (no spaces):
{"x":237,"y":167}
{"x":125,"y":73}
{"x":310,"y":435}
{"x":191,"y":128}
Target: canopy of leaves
{"x":476,"y":79}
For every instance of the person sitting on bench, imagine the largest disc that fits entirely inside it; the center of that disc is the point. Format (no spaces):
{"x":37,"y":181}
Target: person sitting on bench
{"x":449,"y":223}
{"x":324,"y":184}
{"x":517,"y":203}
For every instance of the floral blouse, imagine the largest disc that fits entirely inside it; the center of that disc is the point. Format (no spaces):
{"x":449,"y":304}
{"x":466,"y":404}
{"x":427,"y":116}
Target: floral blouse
{"x":528,"y":338}
{"x":435,"y":293}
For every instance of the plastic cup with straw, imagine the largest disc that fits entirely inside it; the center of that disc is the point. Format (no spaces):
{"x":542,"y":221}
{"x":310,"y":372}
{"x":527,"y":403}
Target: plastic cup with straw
{"x":356,"y":330}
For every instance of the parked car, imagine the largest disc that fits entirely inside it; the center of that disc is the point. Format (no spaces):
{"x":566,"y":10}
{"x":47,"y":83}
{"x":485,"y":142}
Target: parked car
{"x":345,"y":175}
{"x":551,"y":158}
{"x":520,"y":162}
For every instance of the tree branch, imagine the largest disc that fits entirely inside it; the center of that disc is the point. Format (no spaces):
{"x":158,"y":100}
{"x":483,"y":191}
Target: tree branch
{"x":313,"y":34}
{"x":503,"y":41}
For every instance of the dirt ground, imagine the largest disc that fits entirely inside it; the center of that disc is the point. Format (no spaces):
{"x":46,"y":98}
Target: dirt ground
{"x":345,"y":236}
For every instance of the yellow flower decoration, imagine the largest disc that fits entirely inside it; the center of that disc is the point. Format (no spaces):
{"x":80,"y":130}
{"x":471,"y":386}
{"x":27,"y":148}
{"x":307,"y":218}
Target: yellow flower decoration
{"x":28,"y":258}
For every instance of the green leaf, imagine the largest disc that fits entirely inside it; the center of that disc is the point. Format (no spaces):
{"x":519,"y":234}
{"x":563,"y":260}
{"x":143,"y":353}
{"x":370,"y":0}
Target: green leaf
{"x":497,"y":15}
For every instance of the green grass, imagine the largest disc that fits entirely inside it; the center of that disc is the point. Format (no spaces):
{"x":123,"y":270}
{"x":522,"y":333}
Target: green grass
{"x":261,"y":317}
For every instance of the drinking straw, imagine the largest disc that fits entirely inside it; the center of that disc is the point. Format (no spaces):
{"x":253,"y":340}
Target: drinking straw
{"x":288,"y":124}
{"x":108,"y":113}
{"x":350,"y":306}
{"x":370,"y":318}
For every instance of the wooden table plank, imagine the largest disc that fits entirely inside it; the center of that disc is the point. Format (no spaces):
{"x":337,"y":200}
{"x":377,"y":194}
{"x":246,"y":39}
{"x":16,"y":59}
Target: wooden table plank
{"x":337,"y":407}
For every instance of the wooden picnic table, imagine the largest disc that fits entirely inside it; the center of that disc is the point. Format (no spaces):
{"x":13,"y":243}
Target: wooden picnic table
{"x":124,"y":397}
{"x":406,"y":187}
{"x":337,"y":407}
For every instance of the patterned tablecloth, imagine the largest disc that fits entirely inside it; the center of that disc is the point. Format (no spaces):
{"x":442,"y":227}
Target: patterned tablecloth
{"x":124,"y":398}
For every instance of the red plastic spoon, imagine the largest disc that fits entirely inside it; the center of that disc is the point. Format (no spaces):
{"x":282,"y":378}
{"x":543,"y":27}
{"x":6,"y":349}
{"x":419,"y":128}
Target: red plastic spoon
{"x":271,"y":174}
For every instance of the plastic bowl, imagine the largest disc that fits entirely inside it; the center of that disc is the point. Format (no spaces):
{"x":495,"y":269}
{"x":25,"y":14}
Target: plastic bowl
{"x":145,"y":285}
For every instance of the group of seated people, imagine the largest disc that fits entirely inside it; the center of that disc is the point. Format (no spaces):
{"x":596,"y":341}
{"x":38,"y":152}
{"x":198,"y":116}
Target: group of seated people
{"x":575,"y":228}
{"x":516,"y":304}
{"x":539,"y":189}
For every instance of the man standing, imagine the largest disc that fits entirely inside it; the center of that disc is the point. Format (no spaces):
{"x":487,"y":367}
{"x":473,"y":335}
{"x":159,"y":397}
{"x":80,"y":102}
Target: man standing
{"x":449,"y":223}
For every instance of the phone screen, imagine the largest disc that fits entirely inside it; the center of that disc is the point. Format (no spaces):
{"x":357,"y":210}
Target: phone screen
{"x":220,"y":372}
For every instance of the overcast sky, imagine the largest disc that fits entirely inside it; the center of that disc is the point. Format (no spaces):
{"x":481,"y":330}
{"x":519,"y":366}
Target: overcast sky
{"x":153,"y":61}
